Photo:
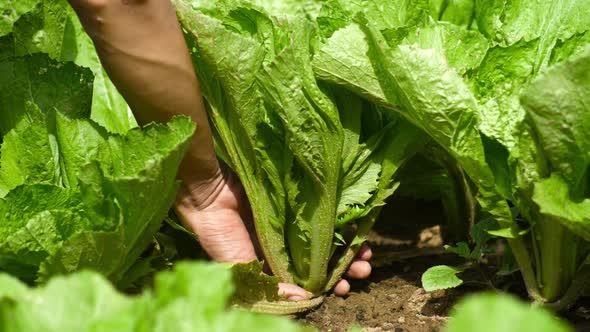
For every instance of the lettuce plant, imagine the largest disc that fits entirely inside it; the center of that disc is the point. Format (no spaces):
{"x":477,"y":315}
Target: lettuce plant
{"x":499,"y":86}
{"x":490,"y":312}
{"x":73,"y":195}
{"x":315,"y":105}
{"x":316,"y":161}
{"x":275,"y":87}
{"x":191,"y":297}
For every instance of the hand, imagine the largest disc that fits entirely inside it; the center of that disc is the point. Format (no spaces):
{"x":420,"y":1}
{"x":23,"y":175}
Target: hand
{"x":219,"y":213}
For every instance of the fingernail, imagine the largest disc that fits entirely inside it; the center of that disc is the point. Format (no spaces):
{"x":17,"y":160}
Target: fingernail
{"x":295,"y":298}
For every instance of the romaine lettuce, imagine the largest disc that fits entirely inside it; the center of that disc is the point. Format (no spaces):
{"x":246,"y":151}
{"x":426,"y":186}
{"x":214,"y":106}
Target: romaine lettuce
{"x":316,"y":161}
{"x":73,"y":195}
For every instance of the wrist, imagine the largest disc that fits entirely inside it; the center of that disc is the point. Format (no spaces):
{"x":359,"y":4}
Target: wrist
{"x":200,"y":186}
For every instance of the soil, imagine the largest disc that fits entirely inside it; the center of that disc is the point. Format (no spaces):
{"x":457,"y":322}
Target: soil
{"x":405,"y":242}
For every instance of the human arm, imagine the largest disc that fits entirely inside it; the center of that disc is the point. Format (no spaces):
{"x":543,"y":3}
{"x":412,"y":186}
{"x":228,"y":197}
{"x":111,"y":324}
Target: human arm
{"x":141,"y":46}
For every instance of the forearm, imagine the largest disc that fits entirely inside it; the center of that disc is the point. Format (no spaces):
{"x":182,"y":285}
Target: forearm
{"x":142,"y":48}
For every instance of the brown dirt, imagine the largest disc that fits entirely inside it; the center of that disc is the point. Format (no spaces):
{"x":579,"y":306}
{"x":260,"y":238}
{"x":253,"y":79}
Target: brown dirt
{"x":392,"y":299}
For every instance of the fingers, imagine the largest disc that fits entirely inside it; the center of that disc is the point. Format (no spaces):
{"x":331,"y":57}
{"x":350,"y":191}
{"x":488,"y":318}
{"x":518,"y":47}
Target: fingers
{"x":293,"y":292}
{"x":342,"y":288}
{"x":365,"y":253}
{"x":359,"y":269}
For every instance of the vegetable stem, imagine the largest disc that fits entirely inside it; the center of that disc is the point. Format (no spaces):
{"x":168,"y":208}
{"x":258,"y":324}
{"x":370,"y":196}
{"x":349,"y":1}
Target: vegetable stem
{"x":321,"y":236}
{"x":523,"y":259}
{"x":575,"y":290}
{"x":558,"y":255}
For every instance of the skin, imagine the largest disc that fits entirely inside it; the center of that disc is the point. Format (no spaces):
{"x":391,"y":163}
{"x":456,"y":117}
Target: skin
{"x":141,"y":46}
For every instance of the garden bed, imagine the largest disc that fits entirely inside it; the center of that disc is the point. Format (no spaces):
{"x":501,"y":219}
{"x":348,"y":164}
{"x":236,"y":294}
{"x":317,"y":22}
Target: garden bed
{"x":392,"y":299}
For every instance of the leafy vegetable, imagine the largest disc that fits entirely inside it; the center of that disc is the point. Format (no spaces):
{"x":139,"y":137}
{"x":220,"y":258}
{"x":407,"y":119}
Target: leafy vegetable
{"x":462,"y":81}
{"x":317,"y":106}
{"x":455,"y":71}
{"x":316,"y":161}
{"x":497,"y":312}
{"x":441,"y":277}
{"x":99,"y":198}
{"x":51,"y":27}
{"x":192,"y":297}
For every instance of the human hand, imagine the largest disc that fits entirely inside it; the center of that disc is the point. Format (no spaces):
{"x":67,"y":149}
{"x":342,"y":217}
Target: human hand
{"x":219,"y":214}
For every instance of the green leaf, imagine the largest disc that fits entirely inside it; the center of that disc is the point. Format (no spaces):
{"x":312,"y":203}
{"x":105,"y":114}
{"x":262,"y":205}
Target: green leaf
{"x":569,"y":47}
{"x":52,"y":27}
{"x":314,"y":137}
{"x":498,"y":82}
{"x":99,"y":197}
{"x":81,"y":302}
{"x":192,"y":297}
{"x":252,"y":285}
{"x":289,"y":7}
{"x":26,"y":156}
{"x":480,"y":231}
{"x":332,"y":17}
{"x":435,"y":99}
{"x":34,"y":83}
{"x":360,"y":168}
{"x":30,"y":235}
{"x":11,"y":11}
{"x":441,"y":277}
{"x":523,"y":38}
{"x":496,"y":312}
{"x":342,"y":60}
{"x":143,"y":161}
{"x":11,"y":287}
{"x":508,"y":232}
{"x":458,"y":12}
{"x":555,"y":201}
{"x":390,"y":14}
{"x":463,"y":49}
{"x":559,"y":106}
{"x":509,"y":23}
{"x":461,"y":249}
